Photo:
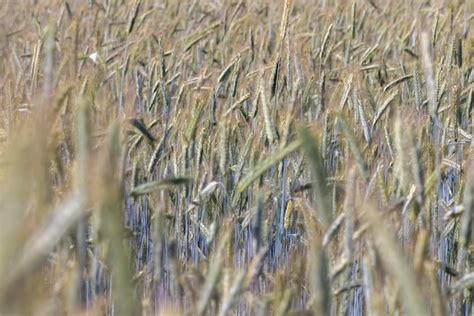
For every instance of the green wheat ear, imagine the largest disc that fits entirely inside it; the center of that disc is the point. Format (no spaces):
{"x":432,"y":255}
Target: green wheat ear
{"x":354,"y":146}
{"x":113,"y":226}
{"x":265,"y":164}
{"x":320,"y":186}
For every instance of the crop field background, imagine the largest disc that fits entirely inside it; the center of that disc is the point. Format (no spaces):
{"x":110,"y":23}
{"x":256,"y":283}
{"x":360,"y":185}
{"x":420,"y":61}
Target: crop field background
{"x":234,"y":157}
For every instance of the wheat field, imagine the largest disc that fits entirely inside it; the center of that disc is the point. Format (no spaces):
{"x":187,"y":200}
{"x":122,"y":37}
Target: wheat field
{"x":234,"y":157}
